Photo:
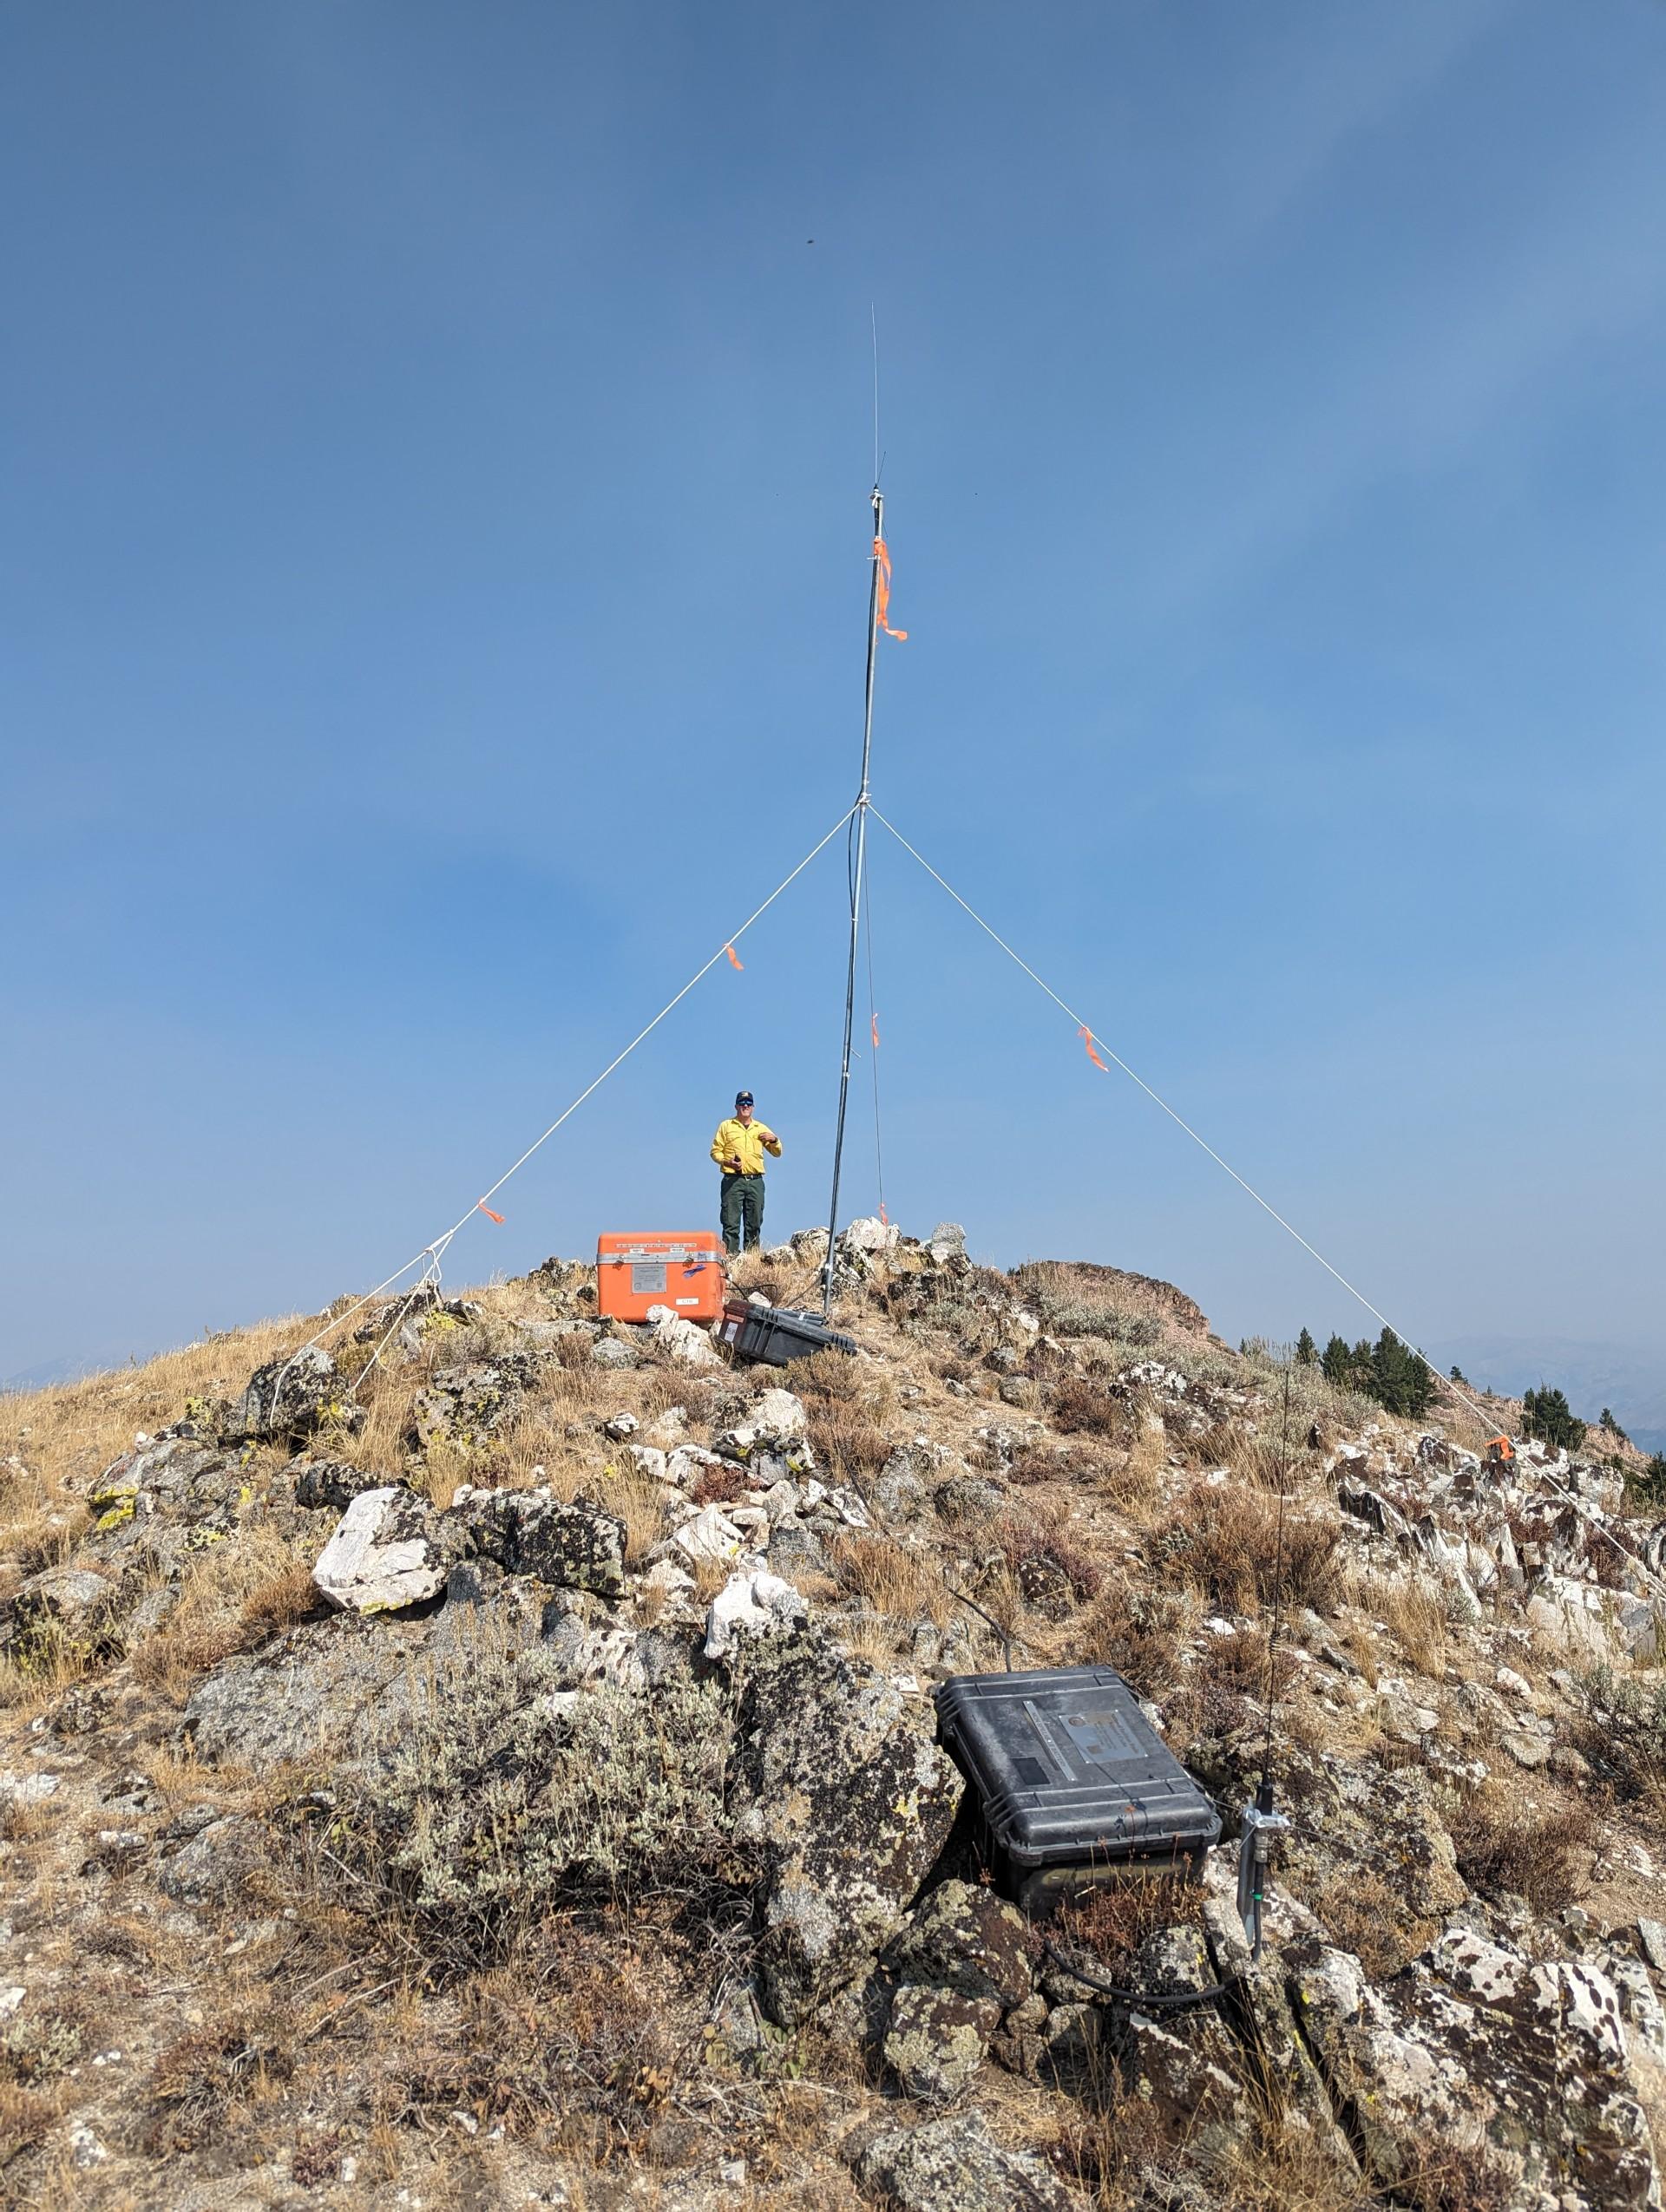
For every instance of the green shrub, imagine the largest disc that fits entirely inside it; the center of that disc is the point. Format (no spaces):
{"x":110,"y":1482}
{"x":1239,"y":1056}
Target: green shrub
{"x":500,"y":1795}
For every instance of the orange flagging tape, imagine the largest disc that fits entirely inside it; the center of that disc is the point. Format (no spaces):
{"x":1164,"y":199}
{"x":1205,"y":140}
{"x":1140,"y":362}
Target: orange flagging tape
{"x":883,"y":596}
{"x":735,"y":961}
{"x":873,"y":1023}
{"x":1087,"y":1036}
{"x":486,"y":1210}
{"x":883,"y":1216}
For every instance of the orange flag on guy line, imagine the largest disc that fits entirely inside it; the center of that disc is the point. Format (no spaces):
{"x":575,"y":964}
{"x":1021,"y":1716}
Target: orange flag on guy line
{"x":1087,"y":1036}
{"x":735,"y":961}
{"x":486,"y":1210}
{"x":873,"y":1023}
{"x":882,"y":594}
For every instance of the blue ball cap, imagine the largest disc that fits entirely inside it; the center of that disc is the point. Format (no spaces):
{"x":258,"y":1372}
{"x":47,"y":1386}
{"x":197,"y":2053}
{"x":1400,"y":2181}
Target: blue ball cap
{"x":742,"y":1099}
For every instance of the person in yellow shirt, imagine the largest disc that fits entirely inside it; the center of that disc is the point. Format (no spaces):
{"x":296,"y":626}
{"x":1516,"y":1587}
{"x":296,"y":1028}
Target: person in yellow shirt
{"x":738,"y":1148}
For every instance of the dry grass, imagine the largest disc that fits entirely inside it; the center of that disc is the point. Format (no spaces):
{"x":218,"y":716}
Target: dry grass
{"x":894,"y":1584}
{"x":232,"y":1597}
{"x":67,"y":1435}
{"x":1081,"y":1405}
{"x":1225,"y":1539}
{"x":1140,"y":1631}
{"x":1504,"y":1847}
{"x":1366,"y":1914}
{"x":1413,"y":1609}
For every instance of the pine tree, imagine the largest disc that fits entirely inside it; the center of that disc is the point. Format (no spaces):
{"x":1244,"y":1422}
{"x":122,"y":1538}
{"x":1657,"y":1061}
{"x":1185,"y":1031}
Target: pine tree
{"x":1306,"y":1352}
{"x":1609,"y":1423}
{"x":1458,"y":1376}
{"x":1336,"y":1365}
{"x":1545,"y":1413}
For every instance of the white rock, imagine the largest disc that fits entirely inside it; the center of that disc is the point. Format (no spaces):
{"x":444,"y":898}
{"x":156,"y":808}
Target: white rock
{"x":849,"y":1509}
{"x":621,"y":1428}
{"x":779,"y":1415}
{"x":683,"y":1339}
{"x":780,"y":1500}
{"x":648,"y":1460}
{"x":11,"y":1998}
{"x":688,"y":1463}
{"x":382,"y":1554}
{"x":665,"y":1574}
{"x":710,"y":1534}
{"x":870,"y":1234}
{"x":757,"y":1603}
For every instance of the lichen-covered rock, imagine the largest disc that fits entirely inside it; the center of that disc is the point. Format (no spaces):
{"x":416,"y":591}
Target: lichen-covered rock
{"x":847,"y":1794}
{"x":576,"y":1547}
{"x":1473,"y":2049}
{"x":388,"y":1551}
{"x":751,"y":1604}
{"x":965,"y":1938}
{"x":332,"y":1482}
{"x":936,"y":2040}
{"x":216,"y":1865}
{"x":955,"y":2164}
{"x":469,"y":1403}
{"x":288,"y":1398}
{"x":308,"y":1696}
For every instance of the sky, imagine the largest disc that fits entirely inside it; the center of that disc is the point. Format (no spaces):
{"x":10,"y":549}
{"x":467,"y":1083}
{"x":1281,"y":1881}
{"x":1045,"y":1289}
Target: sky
{"x":433,"y":556}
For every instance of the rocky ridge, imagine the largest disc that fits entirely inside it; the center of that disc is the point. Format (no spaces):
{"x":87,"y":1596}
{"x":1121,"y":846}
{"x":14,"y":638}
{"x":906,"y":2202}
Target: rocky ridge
{"x":510,"y":1774}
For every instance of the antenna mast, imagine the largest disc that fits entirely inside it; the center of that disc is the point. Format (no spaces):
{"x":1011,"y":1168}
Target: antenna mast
{"x":856,"y":848}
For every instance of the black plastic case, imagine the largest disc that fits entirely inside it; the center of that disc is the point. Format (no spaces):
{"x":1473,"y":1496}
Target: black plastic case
{"x":777,"y":1334}
{"x":1073,"y":1782}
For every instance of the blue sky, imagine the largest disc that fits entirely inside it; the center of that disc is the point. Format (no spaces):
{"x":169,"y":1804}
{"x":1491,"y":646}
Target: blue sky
{"x":434,"y":564}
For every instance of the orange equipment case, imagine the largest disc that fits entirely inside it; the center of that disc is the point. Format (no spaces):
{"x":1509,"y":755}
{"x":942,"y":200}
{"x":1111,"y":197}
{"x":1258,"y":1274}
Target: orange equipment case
{"x":682,"y":1269}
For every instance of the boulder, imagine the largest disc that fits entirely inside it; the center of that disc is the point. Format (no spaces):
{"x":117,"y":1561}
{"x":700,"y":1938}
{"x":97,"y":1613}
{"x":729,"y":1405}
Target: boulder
{"x":74,"y":1598}
{"x":216,"y":1864}
{"x":937,"y":2038}
{"x":287,"y":1399}
{"x":683,"y":1340}
{"x":868,"y":1234}
{"x":755,"y":1603}
{"x":387,"y":1552}
{"x":309,"y":1695}
{"x":469,"y":1403}
{"x":332,"y":1482}
{"x":1474,"y":2050}
{"x":967,"y":1938}
{"x":955,"y":2164}
{"x":844,"y":1790}
{"x":710,"y":1534}
{"x":576,"y":1547}
{"x":612,"y":1352}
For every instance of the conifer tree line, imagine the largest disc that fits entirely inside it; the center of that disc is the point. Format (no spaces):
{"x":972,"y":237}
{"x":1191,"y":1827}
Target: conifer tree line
{"x":1388,"y":1371}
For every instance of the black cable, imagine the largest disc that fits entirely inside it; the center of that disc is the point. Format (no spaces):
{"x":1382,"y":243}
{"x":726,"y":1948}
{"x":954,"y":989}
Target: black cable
{"x":1181,"y":2000}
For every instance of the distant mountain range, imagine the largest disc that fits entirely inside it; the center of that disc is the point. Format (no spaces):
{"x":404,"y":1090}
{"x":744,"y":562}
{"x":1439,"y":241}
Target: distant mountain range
{"x":1629,"y":1378}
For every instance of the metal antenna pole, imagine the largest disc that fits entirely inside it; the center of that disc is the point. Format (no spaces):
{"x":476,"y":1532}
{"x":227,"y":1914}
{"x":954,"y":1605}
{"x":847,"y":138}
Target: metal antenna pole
{"x":858,"y":849}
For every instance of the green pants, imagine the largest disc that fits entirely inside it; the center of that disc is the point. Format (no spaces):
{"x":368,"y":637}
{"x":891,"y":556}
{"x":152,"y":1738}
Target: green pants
{"x":742,"y":1212}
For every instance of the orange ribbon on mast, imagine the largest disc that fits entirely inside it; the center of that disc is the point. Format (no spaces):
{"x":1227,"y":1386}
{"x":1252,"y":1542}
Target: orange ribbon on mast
{"x":483,"y":1208}
{"x":735,"y":961}
{"x":882,"y":595}
{"x":1087,"y":1036}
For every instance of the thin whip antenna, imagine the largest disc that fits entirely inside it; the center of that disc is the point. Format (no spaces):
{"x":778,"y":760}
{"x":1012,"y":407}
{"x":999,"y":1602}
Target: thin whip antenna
{"x":873,"y":316}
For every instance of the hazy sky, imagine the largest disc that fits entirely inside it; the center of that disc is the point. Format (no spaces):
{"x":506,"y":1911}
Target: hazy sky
{"x":433,"y":535}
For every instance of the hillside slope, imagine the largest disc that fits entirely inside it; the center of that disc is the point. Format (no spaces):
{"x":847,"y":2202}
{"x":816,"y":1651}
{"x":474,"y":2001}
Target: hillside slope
{"x":507,"y":1775}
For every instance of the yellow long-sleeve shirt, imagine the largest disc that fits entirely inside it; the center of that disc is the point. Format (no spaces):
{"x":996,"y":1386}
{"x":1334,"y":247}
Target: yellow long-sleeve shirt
{"x":746,"y":1141}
